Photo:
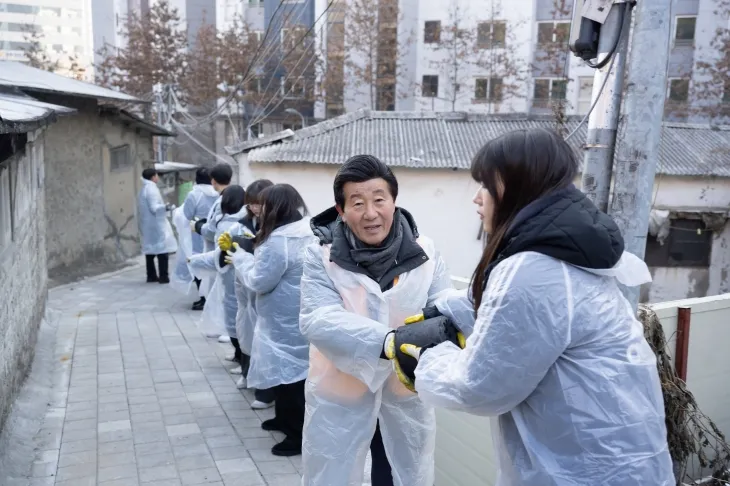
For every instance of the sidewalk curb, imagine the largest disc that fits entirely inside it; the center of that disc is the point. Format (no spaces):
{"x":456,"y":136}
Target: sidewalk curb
{"x":134,"y":266}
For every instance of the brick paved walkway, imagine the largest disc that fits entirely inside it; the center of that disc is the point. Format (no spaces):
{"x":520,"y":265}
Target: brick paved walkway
{"x":141,"y":397}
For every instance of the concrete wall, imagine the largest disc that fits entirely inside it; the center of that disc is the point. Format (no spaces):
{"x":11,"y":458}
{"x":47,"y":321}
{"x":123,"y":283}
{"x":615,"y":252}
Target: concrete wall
{"x":23,"y":277}
{"x":91,"y":208}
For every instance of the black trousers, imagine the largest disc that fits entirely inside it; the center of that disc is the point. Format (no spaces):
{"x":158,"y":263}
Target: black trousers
{"x":197,"y":282}
{"x":289,"y":409}
{"x":162,"y":261}
{"x":380,"y":472}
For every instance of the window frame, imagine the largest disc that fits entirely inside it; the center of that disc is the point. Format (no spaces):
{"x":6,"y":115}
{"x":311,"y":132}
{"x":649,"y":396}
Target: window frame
{"x":662,"y":256}
{"x":684,"y":42}
{"x":423,"y":85}
{"x":127,"y":149}
{"x":436,"y":35}
{"x":490,"y":43}
{"x":489,"y":91}
{"x":551,"y":89}
{"x":554,"y":32}
{"x":670,"y":82}
{"x":290,"y":94}
{"x":590,"y":94}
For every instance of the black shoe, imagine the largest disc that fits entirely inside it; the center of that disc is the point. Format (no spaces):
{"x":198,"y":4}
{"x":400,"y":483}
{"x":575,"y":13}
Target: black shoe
{"x":152,"y":280}
{"x":287,"y":448}
{"x":199,"y":305}
{"x":164,"y":280}
{"x":271,"y":425}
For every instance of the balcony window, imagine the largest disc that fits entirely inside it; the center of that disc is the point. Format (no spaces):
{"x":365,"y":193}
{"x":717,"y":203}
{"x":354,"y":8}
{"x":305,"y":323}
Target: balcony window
{"x":491,"y":35}
{"x":684,"y":31}
{"x":430,"y":86}
{"x":432,"y":32}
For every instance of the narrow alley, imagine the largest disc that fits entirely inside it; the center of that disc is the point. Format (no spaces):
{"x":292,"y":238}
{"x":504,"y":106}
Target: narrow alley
{"x":140,"y":396}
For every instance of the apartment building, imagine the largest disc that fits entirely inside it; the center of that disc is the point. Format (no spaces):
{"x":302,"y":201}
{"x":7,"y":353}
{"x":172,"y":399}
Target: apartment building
{"x":500,"y":56}
{"x":63,"y":27}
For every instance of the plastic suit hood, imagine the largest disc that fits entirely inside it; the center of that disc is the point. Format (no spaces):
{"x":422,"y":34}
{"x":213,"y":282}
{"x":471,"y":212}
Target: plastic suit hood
{"x":346,"y":315}
{"x":155,"y":230}
{"x":557,"y":356}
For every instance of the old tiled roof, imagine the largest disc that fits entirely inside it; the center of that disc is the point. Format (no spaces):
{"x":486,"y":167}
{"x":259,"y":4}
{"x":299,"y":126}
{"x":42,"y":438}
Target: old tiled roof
{"x":450,"y":140}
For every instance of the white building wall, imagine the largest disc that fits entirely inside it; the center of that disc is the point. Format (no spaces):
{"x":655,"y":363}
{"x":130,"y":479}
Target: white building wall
{"x":441,"y":202}
{"x":66,"y":26}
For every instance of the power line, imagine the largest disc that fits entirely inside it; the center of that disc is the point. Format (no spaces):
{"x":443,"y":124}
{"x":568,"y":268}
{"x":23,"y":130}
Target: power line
{"x":259,"y":118}
{"x":198,"y":143}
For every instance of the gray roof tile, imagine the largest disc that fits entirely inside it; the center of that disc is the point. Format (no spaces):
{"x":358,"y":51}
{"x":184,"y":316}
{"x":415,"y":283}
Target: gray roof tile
{"x":450,"y":140}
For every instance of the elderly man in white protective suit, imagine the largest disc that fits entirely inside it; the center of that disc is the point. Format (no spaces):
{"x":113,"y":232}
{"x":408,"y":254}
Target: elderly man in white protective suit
{"x":370,"y":271}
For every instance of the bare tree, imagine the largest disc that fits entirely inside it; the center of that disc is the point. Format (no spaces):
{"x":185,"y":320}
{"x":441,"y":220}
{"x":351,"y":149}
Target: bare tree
{"x":551,"y":63}
{"x":76,"y":69}
{"x":496,"y":55}
{"x":199,"y":86}
{"x":36,"y":52}
{"x":712,"y":85}
{"x":455,"y":44}
{"x":155,"y":52}
{"x":375,"y":50}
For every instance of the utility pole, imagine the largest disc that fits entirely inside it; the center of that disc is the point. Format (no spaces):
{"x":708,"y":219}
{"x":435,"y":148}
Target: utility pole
{"x":637,"y":156}
{"x":606,"y":103}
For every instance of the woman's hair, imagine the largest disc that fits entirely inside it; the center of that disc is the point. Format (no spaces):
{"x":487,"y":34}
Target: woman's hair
{"x":524,"y":165}
{"x":232,"y":199}
{"x":202,"y":176}
{"x":282,"y":205}
{"x":253,"y":193}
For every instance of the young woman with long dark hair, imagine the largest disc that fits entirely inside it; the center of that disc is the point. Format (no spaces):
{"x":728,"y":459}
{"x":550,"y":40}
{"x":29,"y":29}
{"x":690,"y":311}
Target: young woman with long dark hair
{"x":279,"y":352}
{"x":554,"y":350}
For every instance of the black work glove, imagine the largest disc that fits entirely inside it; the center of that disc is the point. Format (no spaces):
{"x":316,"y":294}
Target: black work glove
{"x":423,"y":334}
{"x":199,"y":225}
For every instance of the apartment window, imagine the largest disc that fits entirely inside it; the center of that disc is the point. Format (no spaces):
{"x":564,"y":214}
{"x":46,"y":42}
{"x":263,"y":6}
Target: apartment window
{"x":255,"y":85}
{"x":291,"y":37}
{"x":684,"y":31}
{"x":553,"y":33}
{"x":585,"y":93}
{"x":679,"y":90}
{"x":255,"y":37}
{"x":58,"y":47}
{"x":432,"y":32}
{"x":255,"y":2}
{"x":120,"y":158}
{"x":293,"y":87}
{"x":14,"y":46}
{"x":491,"y":35}
{"x":6,"y":218}
{"x":430,"y":86}
{"x":547,"y":90}
{"x":488,"y":89}
{"x":13,"y":27}
{"x":689,"y":244}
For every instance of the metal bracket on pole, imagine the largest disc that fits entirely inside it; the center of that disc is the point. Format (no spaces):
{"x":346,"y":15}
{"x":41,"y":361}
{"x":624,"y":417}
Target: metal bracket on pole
{"x":598,"y":10}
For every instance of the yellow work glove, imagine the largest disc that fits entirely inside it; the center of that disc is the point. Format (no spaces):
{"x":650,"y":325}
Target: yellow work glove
{"x":228,"y":258}
{"x":225,"y":242}
{"x":405,"y":376}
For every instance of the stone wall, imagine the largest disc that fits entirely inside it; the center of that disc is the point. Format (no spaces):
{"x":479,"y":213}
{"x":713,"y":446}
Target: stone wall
{"x":23,"y":277}
{"x":91,"y":197}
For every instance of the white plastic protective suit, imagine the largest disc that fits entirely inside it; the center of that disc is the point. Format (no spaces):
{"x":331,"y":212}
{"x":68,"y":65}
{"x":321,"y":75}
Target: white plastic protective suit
{"x":221,"y":306}
{"x":246,"y":316}
{"x":209,"y":230}
{"x":155,"y":230}
{"x":198,"y":204}
{"x":181,"y":278}
{"x":557,"y":356}
{"x":279,"y":354}
{"x":346,"y":317}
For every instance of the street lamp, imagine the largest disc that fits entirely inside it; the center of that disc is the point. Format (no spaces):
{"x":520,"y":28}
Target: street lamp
{"x":292,"y":111}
